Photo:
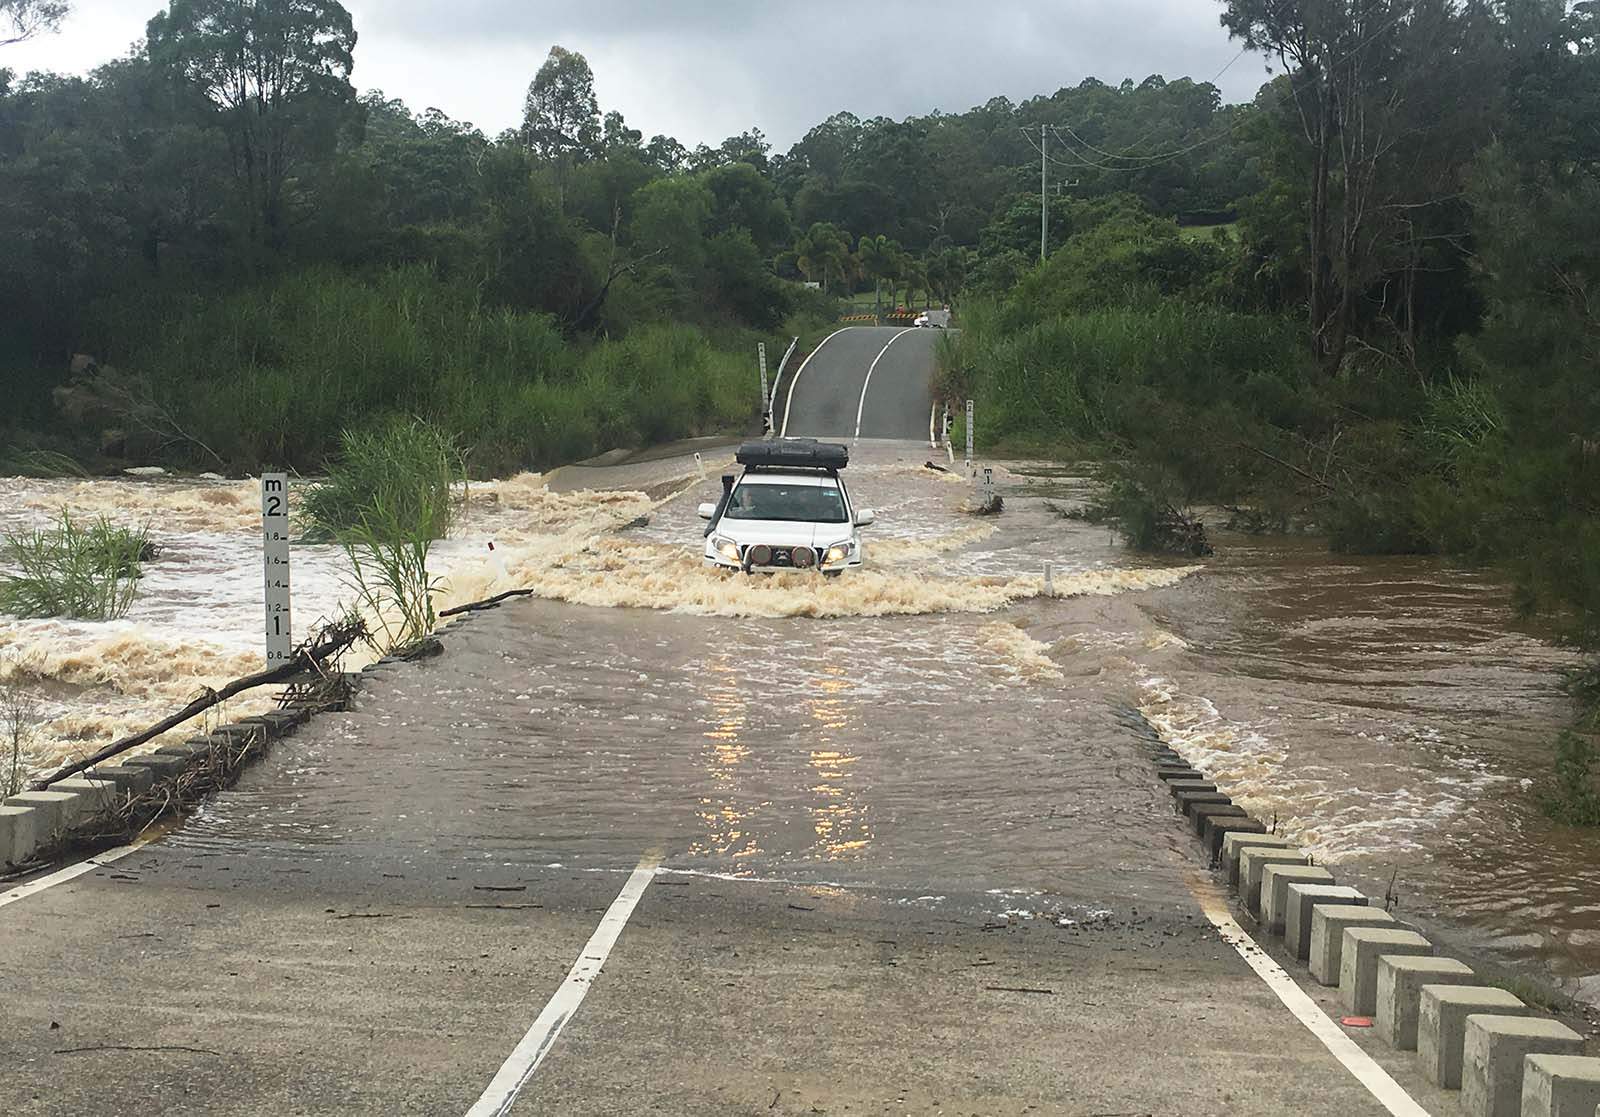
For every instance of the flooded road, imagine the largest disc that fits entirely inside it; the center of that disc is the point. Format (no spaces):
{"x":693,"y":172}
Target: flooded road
{"x":935,"y":726}
{"x":1396,"y":718}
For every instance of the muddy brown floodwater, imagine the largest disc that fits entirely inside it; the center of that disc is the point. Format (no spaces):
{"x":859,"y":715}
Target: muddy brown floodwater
{"x":1392,"y":712}
{"x":1389,"y":712}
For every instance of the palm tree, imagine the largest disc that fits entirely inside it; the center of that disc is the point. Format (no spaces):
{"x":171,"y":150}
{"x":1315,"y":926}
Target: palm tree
{"x":875,"y":256}
{"x":823,"y":252}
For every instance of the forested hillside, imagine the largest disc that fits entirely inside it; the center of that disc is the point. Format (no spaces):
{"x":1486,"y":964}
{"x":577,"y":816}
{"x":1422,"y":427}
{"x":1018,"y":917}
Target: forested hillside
{"x":261,"y":255}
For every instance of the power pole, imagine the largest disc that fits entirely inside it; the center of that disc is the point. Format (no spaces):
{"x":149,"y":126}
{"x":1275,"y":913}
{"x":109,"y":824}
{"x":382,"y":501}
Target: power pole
{"x":1044,"y":197}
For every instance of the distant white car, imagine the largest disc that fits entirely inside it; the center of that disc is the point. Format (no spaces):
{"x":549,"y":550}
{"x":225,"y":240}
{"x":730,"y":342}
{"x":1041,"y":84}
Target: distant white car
{"x":922,"y":322}
{"x":790,"y":510}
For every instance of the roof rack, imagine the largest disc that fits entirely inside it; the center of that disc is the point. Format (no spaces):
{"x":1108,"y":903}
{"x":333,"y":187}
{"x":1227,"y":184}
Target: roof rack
{"x":794,"y":453}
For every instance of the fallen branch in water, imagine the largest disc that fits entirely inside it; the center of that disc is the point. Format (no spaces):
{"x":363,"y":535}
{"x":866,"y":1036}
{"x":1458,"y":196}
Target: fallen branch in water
{"x":330,"y":643}
{"x":488,"y":603}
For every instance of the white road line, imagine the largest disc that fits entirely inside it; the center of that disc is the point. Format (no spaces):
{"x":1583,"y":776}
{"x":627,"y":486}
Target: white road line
{"x":1377,"y":1081}
{"x":872,"y":368}
{"x":788,"y":404}
{"x":73,"y":872}
{"x":517,"y":1070}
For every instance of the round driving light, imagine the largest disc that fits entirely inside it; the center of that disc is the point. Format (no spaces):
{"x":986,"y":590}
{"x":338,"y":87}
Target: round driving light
{"x":804,"y":558}
{"x":760,"y":555}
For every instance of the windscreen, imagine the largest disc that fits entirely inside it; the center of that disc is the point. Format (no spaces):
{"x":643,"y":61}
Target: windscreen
{"x":811,"y":504}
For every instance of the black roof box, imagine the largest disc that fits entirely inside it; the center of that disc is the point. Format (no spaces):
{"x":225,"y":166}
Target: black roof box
{"x":794,"y":453}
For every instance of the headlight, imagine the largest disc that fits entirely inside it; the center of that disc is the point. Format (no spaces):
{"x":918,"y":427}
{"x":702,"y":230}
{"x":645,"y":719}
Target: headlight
{"x":726,"y":548}
{"x":839,"y":552}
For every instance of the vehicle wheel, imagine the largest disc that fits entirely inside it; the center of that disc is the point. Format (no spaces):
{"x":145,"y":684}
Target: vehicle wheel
{"x":832,"y":573}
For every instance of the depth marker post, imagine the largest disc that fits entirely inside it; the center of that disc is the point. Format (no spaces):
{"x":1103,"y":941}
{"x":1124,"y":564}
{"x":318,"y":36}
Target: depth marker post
{"x":970,"y":456}
{"x":275,"y":566}
{"x":766,"y":398}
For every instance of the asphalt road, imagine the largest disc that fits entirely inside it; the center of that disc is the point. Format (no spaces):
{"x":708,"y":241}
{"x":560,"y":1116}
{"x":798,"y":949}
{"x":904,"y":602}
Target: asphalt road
{"x":896,"y":876}
{"x":373,"y":918}
{"x":833,"y":392}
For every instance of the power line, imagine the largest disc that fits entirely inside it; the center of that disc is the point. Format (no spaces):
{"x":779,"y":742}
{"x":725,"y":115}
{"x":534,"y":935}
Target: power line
{"x":1147,"y":162}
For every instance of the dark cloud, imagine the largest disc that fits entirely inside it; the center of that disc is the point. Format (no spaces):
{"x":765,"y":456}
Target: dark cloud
{"x":704,"y":69}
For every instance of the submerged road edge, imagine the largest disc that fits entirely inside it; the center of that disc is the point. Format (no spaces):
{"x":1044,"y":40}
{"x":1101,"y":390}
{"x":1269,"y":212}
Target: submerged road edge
{"x":518,"y":1069}
{"x":1389,"y":1093}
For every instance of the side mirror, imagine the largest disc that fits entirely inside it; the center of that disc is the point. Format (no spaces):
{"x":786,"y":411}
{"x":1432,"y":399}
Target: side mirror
{"x":707,"y":511}
{"x":866,"y":517}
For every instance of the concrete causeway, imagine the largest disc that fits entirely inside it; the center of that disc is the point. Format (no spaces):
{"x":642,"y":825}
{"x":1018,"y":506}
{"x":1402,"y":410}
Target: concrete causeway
{"x":358,"y":927}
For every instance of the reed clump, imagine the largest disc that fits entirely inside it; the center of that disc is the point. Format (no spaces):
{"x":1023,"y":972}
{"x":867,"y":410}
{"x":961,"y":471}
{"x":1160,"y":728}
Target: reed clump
{"x":83,"y":571}
{"x":402,"y":479}
{"x":392,"y":491}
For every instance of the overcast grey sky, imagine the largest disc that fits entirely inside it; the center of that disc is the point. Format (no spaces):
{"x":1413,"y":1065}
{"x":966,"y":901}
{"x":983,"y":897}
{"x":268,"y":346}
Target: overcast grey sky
{"x":702,"y":70}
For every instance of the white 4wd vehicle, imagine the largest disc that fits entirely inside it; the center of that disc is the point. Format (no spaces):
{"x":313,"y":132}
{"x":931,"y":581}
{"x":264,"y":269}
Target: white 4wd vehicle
{"x":789,"y":511}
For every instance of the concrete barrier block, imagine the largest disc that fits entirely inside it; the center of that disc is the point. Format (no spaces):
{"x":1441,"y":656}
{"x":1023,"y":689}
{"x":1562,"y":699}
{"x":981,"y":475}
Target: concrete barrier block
{"x":1358,"y":966}
{"x":1442,"y":1026}
{"x":1560,"y":1086}
{"x":1400,"y":982}
{"x":1167,"y":775}
{"x":1178,"y":787}
{"x":98,"y":794}
{"x":238,"y":733}
{"x":1328,"y":925}
{"x":20,"y":832}
{"x":186,"y":753}
{"x":1253,"y":861}
{"x":1235,"y":844}
{"x":132,"y":779}
{"x":1216,"y":829}
{"x":163,"y":764}
{"x":56,"y":810}
{"x":1187,"y":801}
{"x":1275,"y":881}
{"x":1299,"y":900}
{"x":1493,"y":1055}
{"x":1199,"y":813}
{"x":280,"y":723}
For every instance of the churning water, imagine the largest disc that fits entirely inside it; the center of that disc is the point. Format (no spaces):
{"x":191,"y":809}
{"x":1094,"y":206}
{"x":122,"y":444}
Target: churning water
{"x":1388,"y":712}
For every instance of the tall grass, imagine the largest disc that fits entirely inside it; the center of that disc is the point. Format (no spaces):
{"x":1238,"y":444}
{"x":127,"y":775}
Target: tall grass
{"x":1087,"y":376}
{"x":389,"y":575}
{"x":388,"y":496}
{"x":86,"y":572}
{"x":273,"y":374}
{"x":39,"y":463}
{"x":399,"y":477}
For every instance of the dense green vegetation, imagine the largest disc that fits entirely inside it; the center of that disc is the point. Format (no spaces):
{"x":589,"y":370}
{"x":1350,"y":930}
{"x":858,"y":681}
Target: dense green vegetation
{"x":1396,"y":343}
{"x":256,"y":258}
{"x":1363,"y":304}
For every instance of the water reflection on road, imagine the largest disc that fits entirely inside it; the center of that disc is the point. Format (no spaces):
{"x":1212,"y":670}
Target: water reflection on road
{"x":936,"y":725}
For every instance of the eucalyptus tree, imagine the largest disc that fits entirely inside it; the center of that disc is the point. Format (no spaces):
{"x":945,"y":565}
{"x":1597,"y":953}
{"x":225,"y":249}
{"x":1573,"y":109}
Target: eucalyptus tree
{"x":276,"y":77}
{"x":23,"y":19}
{"x":561,"y":121}
{"x":1385,"y":100}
